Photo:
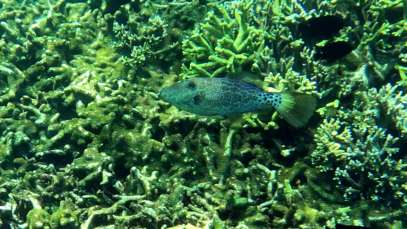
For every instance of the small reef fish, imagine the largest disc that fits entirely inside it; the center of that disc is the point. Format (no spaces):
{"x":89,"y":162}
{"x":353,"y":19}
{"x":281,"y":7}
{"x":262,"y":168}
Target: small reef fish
{"x":320,"y":28}
{"x":334,"y":51}
{"x":224,"y":96}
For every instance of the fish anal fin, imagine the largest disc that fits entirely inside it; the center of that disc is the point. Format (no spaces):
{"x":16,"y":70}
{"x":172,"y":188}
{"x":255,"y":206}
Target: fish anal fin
{"x":264,"y":111}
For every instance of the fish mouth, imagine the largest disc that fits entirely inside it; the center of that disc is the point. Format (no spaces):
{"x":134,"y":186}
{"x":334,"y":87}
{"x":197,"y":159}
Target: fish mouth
{"x":159,"y":93}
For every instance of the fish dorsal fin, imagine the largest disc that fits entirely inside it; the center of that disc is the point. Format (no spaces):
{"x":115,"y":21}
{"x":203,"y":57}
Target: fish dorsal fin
{"x":247,"y":77}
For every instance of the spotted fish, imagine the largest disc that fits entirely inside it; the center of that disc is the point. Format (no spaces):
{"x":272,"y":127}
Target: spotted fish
{"x":224,"y":96}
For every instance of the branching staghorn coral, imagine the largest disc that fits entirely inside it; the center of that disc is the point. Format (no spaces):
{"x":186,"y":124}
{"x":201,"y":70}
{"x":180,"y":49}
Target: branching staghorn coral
{"x":225,"y":43}
{"x":390,"y":104}
{"x":144,"y":40}
{"x":359,"y":152}
{"x":282,"y":77}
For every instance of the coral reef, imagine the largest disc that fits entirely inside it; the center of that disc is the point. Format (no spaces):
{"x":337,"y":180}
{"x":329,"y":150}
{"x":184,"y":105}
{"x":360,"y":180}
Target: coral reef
{"x":85,"y":142}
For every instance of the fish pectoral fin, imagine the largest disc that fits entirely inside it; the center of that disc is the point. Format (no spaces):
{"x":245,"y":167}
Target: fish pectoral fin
{"x":191,"y":102}
{"x":197,"y":100}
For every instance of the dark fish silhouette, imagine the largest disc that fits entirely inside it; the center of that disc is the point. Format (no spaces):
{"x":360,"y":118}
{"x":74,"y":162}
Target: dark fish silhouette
{"x":341,"y":226}
{"x":223,"y":96}
{"x":334,"y":51}
{"x":321,"y":28}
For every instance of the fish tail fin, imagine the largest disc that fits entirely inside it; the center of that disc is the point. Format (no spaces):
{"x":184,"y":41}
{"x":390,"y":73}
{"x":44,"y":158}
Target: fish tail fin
{"x":296,"y":108}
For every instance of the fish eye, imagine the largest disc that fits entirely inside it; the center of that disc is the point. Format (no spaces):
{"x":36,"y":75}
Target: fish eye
{"x":192,"y":85}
